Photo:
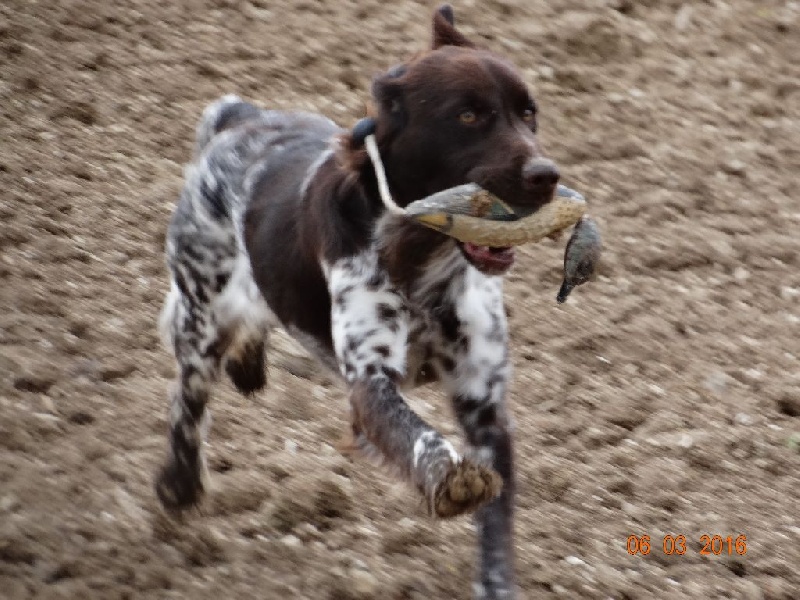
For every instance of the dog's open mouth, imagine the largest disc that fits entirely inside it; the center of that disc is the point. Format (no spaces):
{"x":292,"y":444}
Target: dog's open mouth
{"x":488,"y":259}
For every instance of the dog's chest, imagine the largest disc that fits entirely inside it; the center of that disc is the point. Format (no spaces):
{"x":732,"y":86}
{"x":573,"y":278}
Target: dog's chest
{"x":424,"y":348}
{"x":442,"y":307}
{"x":418,"y":329}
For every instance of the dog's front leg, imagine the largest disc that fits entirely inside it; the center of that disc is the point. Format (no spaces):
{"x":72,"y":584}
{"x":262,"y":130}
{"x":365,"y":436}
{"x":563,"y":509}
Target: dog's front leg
{"x":476,"y":370}
{"x":370,"y":324}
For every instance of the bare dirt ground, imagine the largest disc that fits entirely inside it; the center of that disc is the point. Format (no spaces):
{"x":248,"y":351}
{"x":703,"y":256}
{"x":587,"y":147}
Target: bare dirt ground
{"x":661,"y":399}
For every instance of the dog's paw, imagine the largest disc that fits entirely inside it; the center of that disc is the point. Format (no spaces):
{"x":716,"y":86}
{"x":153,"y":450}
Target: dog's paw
{"x":178,"y":490}
{"x":465,"y":488}
{"x":490,"y":591}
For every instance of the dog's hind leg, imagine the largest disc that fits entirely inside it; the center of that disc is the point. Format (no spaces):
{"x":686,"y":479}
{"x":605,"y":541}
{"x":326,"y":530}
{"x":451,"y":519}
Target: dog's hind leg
{"x":198,"y":347}
{"x":201,"y":253}
{"x":212,"y":317}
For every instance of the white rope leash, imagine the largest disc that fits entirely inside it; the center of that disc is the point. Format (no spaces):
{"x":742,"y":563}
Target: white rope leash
{"x":380,"y":174}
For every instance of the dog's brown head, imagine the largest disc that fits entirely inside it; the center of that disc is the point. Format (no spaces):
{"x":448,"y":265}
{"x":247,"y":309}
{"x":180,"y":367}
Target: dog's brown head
{"x":458,"y":114}
{"x":455,"y":114}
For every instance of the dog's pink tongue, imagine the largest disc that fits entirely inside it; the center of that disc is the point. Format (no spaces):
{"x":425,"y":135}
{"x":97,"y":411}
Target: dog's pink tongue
{"x":491,"y":260}
{"x":488,"y":251}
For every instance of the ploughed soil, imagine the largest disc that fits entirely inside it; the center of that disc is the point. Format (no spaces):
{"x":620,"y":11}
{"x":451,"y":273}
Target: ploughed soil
{"x":661,"y":399}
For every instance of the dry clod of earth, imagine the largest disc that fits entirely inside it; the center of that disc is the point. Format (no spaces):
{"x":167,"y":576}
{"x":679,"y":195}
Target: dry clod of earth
{"x":662,"y":399}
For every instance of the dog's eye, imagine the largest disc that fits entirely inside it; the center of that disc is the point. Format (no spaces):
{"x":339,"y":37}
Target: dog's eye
{"x":468,"y":117}
{"x":528,"y":115}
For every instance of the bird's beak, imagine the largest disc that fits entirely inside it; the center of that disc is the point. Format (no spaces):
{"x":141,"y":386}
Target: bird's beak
{"x":564,"y":291}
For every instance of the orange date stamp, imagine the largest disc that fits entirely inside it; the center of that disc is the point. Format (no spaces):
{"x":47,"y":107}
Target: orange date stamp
{"x":709,"y":545}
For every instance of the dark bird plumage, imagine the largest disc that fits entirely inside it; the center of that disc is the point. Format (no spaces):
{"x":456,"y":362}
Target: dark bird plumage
{"x":580,"y":256}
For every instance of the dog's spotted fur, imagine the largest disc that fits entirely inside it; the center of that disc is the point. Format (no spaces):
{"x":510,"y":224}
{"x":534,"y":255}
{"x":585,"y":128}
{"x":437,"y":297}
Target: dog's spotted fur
{"x":279,"y":223}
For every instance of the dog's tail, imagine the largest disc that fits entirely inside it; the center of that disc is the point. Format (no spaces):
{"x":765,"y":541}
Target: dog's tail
{"x":229,"y":111}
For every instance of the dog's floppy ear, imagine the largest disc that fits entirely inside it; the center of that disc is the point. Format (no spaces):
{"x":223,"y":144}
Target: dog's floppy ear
{"x":385,"y":116}
{"x":387,"y":90}
{"x":444,"y":30}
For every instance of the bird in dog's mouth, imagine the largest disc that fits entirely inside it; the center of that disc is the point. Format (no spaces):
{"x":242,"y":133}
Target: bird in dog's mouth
{"x":485,"y":227}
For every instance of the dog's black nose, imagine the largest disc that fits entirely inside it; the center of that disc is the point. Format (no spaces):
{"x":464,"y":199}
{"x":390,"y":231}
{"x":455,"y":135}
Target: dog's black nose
{"x":540,"y":174}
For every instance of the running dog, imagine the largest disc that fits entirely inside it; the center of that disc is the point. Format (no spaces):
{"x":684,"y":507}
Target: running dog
{"x":280,"y":224}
